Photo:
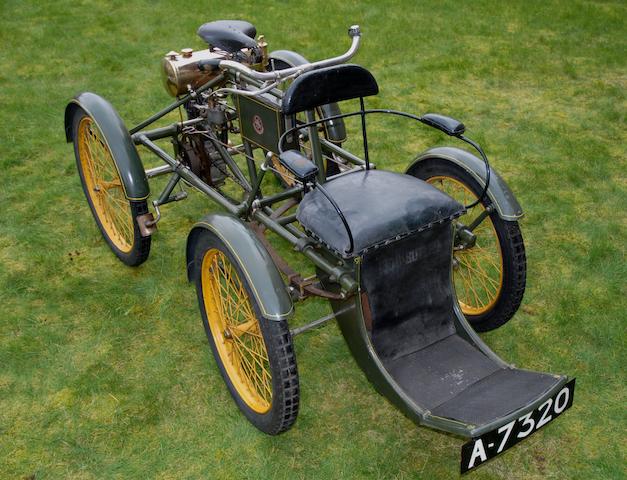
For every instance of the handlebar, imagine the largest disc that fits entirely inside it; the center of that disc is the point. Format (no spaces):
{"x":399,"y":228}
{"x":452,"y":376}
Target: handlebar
{"x":354,"y":32}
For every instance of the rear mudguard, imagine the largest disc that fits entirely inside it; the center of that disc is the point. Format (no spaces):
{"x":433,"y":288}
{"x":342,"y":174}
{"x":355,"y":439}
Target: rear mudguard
{"x":498,"y":192}
{"x":335,"y":129}
{"x":118,"y":140}
{"x":254,"y":260}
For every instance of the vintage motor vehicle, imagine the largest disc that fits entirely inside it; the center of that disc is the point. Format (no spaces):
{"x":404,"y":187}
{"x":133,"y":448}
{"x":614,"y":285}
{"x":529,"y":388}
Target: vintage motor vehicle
{"x":413,"y":264}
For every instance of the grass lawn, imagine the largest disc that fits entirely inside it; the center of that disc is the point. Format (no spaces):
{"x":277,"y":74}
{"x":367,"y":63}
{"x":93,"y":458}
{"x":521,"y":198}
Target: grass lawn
{"x":105,"y":371}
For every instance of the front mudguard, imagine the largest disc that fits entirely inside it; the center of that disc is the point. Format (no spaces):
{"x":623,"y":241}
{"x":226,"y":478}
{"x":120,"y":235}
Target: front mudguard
{"x":118,"y":140}
{"x":253,"y":259}
{"x":499,"y":193}
{"x":335,"y":129}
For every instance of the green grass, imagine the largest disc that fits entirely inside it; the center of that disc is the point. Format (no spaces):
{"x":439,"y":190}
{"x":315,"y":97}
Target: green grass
{"x":105,"y":370}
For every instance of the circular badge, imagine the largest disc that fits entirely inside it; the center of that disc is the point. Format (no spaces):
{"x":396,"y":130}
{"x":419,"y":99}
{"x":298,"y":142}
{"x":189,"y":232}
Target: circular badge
{"x":258,"y":124}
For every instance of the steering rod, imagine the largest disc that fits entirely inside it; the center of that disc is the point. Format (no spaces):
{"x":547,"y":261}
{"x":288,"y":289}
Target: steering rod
{"x":354,"y":32}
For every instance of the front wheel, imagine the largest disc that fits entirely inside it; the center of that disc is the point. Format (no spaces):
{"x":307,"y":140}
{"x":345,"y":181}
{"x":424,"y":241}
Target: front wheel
{"x":254,"y":355}
{"x":115,"y":215}
{"x":489,"y":273}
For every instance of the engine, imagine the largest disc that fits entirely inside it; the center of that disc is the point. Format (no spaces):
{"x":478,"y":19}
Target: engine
{"x":198,"y":147}
{"x":201,"y":156}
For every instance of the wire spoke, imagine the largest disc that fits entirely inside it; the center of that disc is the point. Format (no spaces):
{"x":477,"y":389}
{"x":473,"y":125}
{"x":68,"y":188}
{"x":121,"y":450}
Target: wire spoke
{"x":236,"y":330}
{"x":479,"y":274}
{"x":104,"y":185}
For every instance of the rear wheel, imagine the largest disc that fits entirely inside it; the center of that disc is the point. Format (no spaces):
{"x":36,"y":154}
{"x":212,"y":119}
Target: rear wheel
{"x":115,"y":215}
{"x":255,"y":355}
{"x":489,"y":275}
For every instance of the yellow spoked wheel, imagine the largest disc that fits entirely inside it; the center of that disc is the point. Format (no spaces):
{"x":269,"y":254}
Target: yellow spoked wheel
{"x":478,"y":270}
{"x":104,"y":185}
{"x":255,"y":355}
{"x":114,"y":213}
{"x":489,"y":270}
{"x":236,"y":333}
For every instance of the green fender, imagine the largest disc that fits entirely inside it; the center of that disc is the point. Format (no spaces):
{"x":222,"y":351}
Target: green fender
{"x":335,"y":129}
{"x":118,"y":140}
{"x":254,"y":260}
{"x":498,"y":192}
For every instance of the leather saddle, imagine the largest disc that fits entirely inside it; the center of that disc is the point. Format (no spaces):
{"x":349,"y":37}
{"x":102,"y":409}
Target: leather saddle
{"x":229,"y":35}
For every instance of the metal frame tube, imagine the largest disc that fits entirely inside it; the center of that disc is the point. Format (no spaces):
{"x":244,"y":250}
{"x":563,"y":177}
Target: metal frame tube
{"x":316,"y":150}
{"x":345,"y":154}
{"x":164,"y":196}
{"x":364,"y":133}
{"x":337,"y":273}
{"x":250,"y":162}
{"x":220,"y":78}
{"x":290,"y":228}
{"x":168,"y":131}
{"x":191,"y":177}
{"x":286,"y":219}
{"x":230,"y":162}
{"x":320,"y":321}
{"x":254,"y":190}
{"x":289,"y":193}
{"x":160,"y":170}
{"x":273,"y":225}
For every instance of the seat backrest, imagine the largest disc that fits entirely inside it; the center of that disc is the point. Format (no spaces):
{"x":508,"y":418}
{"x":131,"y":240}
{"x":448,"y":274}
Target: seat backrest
{"x":328,"y":85}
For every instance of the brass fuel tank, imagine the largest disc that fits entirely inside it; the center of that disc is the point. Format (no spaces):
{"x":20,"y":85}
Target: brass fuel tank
{"x":181,"y":69}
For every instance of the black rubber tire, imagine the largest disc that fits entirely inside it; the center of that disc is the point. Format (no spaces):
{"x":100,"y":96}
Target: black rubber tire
{"x":278,"y":341}
{"x":141,"y":245}
{"x":510,"y":240}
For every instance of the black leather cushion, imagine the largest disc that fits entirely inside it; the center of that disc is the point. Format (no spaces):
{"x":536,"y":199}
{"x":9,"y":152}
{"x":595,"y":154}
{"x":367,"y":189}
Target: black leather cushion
{"x":229,"y":35}
{"x":379,"y":207}
{"x":298,"y":165}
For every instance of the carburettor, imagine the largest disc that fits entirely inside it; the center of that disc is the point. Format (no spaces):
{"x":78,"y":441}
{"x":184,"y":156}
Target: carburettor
{"x":181,"y":70}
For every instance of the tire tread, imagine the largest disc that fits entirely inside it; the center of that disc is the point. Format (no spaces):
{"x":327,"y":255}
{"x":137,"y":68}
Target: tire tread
{"x":279,"y":345}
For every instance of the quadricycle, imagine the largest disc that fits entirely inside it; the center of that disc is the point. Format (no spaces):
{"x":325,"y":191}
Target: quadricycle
{"x":413,"y":264}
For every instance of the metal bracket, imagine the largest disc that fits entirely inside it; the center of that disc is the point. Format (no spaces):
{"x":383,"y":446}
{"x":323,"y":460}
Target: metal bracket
{"x":147,"y":224}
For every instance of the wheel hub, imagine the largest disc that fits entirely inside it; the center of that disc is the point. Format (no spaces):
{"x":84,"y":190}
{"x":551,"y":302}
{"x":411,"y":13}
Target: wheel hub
{"x":464,"y":237}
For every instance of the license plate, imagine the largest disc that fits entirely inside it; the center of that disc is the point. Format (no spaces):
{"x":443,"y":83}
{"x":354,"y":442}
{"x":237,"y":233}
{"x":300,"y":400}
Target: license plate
{"x":479,"y":450}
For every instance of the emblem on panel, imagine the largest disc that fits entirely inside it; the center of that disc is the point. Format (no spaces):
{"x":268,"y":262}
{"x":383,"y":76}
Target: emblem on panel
{"x":258,"y":124}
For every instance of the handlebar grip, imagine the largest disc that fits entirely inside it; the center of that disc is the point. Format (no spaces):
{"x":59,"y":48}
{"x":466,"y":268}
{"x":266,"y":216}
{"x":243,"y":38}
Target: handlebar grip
{"x":448,"y":125}
{"x":354,"y":31}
